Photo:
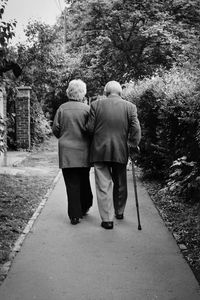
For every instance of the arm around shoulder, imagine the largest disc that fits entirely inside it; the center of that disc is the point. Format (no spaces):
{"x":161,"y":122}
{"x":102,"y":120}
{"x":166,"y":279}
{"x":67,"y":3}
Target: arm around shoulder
{"x":90,"y":125}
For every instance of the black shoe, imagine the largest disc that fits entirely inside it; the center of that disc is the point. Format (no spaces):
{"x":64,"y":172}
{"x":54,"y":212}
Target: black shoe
{"x":75,"y":221}
{"x":119,"y":216}
{"x":107,"y":225}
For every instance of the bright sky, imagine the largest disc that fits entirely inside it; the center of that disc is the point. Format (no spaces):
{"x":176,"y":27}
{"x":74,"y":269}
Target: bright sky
{"x":25,"y":10}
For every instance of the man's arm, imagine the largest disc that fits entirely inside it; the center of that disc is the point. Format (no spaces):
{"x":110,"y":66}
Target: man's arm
{"x":56,"y":124}
{"x":134,"y":127}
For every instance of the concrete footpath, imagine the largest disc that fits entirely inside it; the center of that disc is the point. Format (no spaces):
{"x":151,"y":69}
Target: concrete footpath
{"x":59,"y":261}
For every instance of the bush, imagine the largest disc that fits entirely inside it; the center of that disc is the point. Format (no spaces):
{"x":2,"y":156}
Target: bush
{"x":40,"y":127}
{"x":184,"y":180}
{"x":169,"y":111}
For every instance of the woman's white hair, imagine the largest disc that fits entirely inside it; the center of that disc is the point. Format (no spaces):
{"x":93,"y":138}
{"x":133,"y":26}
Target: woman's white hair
{"x":76,"y":90}
{"x":113,"y":87}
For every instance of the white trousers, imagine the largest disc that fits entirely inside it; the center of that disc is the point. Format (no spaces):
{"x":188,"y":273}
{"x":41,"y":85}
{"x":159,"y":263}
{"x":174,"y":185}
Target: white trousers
{"x":111,"y":189}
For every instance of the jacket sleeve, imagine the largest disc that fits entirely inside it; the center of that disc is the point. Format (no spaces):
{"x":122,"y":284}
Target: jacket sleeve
{"x":134,"y":127}
{"x":90,"y":125}
{"x":56,"y":124}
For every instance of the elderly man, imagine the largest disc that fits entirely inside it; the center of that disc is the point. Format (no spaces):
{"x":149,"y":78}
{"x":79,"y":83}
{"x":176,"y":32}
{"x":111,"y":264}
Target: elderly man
{"x":113,"y":123}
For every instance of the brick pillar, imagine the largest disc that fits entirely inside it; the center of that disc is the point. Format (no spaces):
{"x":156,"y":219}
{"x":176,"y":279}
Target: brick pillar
{"x":23,"y":117}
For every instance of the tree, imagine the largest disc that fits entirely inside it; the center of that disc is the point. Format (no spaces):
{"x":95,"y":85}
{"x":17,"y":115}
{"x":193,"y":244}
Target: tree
{"x":37,"y":57}
{"x":6,"y":33}
{"x":47,"y":68}
{"x":6,"y":28}
{"x":122,"y":39}
{"x":125,"y":39}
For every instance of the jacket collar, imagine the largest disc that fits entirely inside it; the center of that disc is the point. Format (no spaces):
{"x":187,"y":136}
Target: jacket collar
{"x":114,"y":97}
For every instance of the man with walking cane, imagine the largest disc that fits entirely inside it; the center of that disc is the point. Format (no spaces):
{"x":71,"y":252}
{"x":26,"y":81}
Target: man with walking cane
{"x":114,"y":124}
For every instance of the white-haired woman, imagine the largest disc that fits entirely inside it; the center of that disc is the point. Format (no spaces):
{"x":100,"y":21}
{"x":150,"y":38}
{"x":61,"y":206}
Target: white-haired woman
{"x":73,"y":147}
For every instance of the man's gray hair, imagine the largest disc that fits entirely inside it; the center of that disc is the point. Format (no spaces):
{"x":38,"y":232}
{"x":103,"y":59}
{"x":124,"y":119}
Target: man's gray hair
{"x":76,"y":90}
{"x":113,"y":87}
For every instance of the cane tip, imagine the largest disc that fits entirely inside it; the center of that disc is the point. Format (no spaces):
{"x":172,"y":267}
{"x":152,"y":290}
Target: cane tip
{"x":139,"y":227}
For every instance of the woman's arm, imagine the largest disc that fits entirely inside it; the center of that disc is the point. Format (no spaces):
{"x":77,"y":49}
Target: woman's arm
{"x":90,"y":125}
{"x":56,"y":124}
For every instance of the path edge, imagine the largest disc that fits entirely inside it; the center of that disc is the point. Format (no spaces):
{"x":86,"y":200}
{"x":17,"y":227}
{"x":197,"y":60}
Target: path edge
{"x":180,"y":245}
{"x":19,"y":242}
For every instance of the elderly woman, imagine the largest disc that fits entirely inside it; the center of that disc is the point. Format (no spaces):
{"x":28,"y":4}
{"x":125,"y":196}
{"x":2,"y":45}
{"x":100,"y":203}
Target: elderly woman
{"x":73,"y":146}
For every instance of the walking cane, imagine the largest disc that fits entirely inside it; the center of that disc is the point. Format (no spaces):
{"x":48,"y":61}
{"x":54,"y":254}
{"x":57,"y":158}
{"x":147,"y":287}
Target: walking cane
{"x":136,"y":195}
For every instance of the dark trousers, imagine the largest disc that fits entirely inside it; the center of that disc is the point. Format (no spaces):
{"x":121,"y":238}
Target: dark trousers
{"x":79,"y":192}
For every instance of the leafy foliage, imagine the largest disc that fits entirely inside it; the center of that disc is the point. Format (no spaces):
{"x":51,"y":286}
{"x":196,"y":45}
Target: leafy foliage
{"x":164,"y":101}
{"x":169,"y":112}
{"x":40,"y":127}
{"x":184,"y":179}
{"x":129,"y":39}
{"x":6,"y":33}
{"x":41,"y":62}
{"x":6,"y":28}
{"x":46,"y":66}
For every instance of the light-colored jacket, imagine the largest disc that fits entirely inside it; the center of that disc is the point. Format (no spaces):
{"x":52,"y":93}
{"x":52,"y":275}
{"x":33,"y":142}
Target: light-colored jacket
{"x":68,"y":127}
{"x":113,"y":123}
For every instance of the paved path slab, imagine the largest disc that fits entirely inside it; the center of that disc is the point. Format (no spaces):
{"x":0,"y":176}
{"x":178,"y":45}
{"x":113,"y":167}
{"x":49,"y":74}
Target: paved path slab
{"x":59,"y":261}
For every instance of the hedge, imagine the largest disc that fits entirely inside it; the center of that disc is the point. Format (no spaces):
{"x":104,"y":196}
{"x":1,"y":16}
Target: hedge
{"x":169,"y":112}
